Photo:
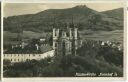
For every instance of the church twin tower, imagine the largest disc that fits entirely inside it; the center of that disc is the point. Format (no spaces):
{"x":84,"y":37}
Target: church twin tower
{"x":65,"y":40}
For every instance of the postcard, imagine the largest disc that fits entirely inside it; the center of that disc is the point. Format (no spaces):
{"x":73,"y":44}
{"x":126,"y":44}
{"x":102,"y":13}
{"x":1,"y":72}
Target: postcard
{"x":64,"y":40}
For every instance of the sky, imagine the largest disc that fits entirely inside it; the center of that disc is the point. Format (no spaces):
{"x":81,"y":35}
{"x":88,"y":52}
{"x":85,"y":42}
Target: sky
{"x":12,"y":9}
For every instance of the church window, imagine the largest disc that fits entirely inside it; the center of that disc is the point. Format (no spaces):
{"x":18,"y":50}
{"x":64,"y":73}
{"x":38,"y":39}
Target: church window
{"x":55,"y":44}
{"x":55,"y":33}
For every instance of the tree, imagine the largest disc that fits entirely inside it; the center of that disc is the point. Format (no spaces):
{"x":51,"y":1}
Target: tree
{"x":6,"y":62}
{"x":94,"y":20}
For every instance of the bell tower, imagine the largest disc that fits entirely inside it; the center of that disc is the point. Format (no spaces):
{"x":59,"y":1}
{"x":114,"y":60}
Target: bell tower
{"x":55,"y":37}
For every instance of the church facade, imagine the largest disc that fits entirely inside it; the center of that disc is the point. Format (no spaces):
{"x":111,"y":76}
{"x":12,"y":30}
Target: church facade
{"x":66,"y":40}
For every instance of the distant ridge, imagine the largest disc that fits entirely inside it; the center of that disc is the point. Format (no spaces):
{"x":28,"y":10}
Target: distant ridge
{"x":116,"y":13}
{"x":85,"y":17}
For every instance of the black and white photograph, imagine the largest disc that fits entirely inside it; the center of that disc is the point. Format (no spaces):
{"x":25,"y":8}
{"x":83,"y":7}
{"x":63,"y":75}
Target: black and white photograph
{"x":63,"y":40}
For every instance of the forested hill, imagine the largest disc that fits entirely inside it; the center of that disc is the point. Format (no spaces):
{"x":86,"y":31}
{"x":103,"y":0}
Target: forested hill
{"x":85,"y":17}
{"x":116,"y":13}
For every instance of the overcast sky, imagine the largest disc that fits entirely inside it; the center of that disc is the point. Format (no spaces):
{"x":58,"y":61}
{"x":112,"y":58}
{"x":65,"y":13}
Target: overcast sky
{"x":11,"y":9}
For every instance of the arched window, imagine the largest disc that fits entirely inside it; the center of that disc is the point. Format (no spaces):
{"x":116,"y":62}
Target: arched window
{"x":55,"y":44}
{"x":55,"y":32}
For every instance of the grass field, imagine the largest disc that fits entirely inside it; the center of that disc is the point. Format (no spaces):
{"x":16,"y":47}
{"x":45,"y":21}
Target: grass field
{"x":116,"y":35}
{"x":26,"y":35}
